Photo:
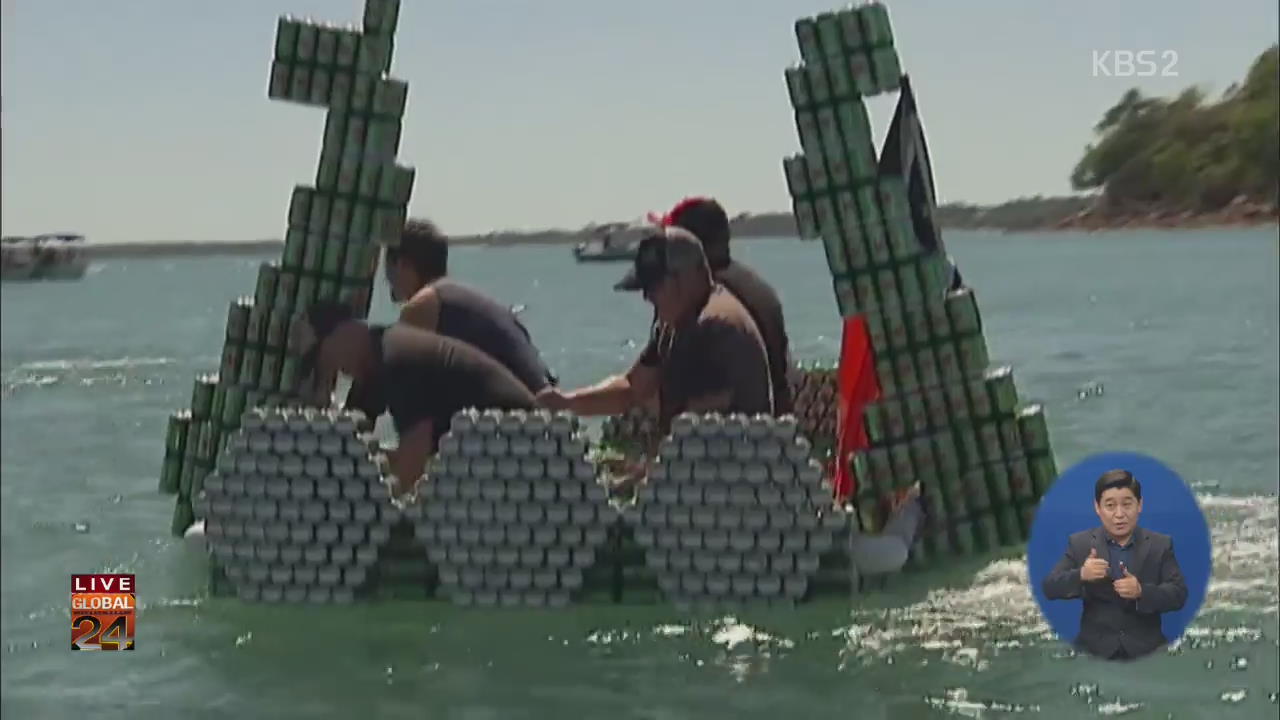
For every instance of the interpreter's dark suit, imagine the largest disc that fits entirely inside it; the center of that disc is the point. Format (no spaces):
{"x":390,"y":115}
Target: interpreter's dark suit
{"x":1111,"y":626}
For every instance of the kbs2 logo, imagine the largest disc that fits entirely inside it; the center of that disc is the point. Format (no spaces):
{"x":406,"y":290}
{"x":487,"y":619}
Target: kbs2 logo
{"x":1130,"y":63}
{"x":102,"y":612}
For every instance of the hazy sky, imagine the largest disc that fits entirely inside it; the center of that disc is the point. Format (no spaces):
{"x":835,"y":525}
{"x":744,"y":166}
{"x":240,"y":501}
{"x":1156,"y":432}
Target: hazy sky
{"x":148,"y":119}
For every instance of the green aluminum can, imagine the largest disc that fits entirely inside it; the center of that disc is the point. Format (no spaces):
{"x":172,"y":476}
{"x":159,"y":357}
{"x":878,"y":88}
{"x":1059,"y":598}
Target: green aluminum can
{"x":183,"y":517}
{"x":269,"y":372}
{"x":806,"y":219}
{"x":957,"y":394}
{"x":830,"y":44}
{"x":356,"y":134}
{"x":948,"y":457}
{"x":1044,"y":472}
{"x":289,"y":374}
{"x":989,"y":437}
{"x":917,"y":321}
{"x":266,"y":285}
{"x":939,"y":323}
{"x":390,"y":97}
{"x":927,"y":368}
{"x":383,"y":141}
{"x":229,"y":366}
{"x":877,"y":243}
{"x":876,"y":334}
{"x":381,"y":17}
{"x":250,"y":367}
{"x":840,"y":80}
{"x":970,"y":448}
{"x":935,"y":406}
{"x":1001,"y":390}
{"x":977,"y":496}
{"x":1021,"y":487}
{"x":886,"y":377}
{"x":286,"y":288}
{"x":171,"y":473}
{"x":850,"y":30}
{"x":855,"y":124}
{"x":175,"y":441}
{"x":278,"y":325}
{"x":1010,"y":441}
{"x":300,"y":84}
{"x":300,"y":205}
{"x":972,"y":353}
{"x":327,"y":289}
{"x":233,"y":406}
{"x":256,"y":332}
{"x":825,"y":208}
{"x":361,"y":220}
{"x":807,"y":132}
{"x":962,"y":309}
{"x":798,"y":88}
{"x":904,"y":471}
{"x":238,"y":319}
{"x":1033,"y":429}
{"x":321,"y":82}
{"x":328,"y":167}
{"x":901,"y":238}
{"x":202,"y":397}
{"x":368,"y":182}
{"x":347,"y":48}
{"x":846,"y":298}
{"x":321,"y":206}
{"x":838,"y":170}
{"x":881,"y":463}
{"x":933,"y":271}
{"x":864,"y":77}
{"x":907,"y":374}
{"x":326,"y":46}
{"x":280,"y":83}
{"x":295,"y":245}
{"x":829,"y":132}
{"x":876,"y":27}
{"x":209,"y":436}
{"x":914,"y":414}
{"x":349,"y":168}
{"x":219,"y":402}
{"x":287,"y":39}
{"x":796,"y":170}
{"x":361,"y":92}
{"x":833,"y":246}
{"x":887,"y":286}
{"x":887,"y":69}
{"x":395,"y":186}
{"x":873,"y":422}
{"x":998,"y":484}
{"x":855,"y":245}
{"x":306,"y":293}
{"x":895,"y":325}
{"x":1008,"y":524}
{"x":374,"y":54}
{"x":864,"y":286}
{"x":807,"y":38}
{"x":313,"y":252}
{"x":388,"y":225}
{"x":819,"y":86}
{"x":340,"y":91}
{"x":922,"y":458}
{"x":331,"y":261}
{"x":308,"y":34}
{"x":360,"y":261}
{"x":949,"y":370}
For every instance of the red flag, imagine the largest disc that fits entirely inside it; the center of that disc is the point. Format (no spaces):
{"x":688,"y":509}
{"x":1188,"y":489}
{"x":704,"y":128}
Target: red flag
{"x":857,"y":386}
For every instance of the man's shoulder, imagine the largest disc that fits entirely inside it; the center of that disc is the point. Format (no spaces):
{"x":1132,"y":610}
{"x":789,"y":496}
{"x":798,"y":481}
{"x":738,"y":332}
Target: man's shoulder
{"x":1156,"y":538}
{"x":1083,"y":537}
{"x":724,"y":311}
{"x":742,"y":280}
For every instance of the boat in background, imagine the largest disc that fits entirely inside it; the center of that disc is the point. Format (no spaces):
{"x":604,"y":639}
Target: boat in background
{"x":611,"y":243}
{"x":51,"y":256}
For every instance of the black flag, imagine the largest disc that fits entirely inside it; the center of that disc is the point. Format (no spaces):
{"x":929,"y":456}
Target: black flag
{"x":906,"y":155}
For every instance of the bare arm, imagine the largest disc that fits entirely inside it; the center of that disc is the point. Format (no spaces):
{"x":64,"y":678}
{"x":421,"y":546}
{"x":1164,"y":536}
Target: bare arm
{"x":615,"y":395}
{"x":422,"y":310}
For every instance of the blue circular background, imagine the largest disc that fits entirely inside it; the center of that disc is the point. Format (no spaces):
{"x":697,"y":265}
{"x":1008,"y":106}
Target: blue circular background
{"x":1168,"y":506}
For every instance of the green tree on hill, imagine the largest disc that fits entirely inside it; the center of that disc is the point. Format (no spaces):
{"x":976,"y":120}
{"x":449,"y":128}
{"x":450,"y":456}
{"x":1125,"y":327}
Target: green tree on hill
{"x":1188,"y":154}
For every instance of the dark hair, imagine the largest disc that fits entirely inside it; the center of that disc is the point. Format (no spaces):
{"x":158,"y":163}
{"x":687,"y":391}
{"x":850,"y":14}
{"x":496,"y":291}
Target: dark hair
{"x":424,"y":247}
{"x":1113,"y":479}
{"x":705,"y":218}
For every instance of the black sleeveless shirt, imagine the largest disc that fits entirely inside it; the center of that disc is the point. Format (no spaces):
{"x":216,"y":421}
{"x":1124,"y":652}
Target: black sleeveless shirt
{"x":475,"y":318}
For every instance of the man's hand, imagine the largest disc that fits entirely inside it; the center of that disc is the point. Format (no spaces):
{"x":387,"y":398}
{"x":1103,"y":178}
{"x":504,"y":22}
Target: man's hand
{"x":1128,"y":586}
{"x":552,"y":398}
{"x":1094,"y":568}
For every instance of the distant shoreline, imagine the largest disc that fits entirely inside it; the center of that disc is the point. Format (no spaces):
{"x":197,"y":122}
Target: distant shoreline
{"x":1030,"y":215}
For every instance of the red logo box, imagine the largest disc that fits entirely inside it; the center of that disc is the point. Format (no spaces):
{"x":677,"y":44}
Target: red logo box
{"x":102,"y":612}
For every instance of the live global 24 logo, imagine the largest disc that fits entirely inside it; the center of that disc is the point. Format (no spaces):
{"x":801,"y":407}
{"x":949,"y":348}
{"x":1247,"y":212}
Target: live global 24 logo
{"x":103,"y":611}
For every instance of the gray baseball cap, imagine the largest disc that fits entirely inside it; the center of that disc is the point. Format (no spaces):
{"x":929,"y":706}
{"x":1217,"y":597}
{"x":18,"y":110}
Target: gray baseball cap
{"x":662,"y":252}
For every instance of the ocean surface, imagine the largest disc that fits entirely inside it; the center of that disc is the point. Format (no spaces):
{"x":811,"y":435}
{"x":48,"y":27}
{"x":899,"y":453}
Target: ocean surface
{"x":1164,"y":343}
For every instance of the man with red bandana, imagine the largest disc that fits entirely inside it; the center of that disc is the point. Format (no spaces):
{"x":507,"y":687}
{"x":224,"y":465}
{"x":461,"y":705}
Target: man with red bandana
{"x":707,"y":220}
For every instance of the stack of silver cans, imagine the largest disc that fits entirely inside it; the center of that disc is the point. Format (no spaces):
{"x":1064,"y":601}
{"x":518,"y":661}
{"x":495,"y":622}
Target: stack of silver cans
{"x":735,"y":509}
{"x":511,"y":512}
{"x":297,"y":508}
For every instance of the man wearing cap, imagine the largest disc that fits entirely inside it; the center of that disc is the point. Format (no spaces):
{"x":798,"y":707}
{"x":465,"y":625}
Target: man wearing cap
{"x":422,"y":378}
{"x":705,"y":353}
{"x":707,"y":220}
{"x":417,"y":274}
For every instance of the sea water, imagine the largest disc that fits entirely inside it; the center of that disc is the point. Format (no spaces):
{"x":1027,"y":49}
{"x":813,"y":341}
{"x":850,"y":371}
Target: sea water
{"x":1187,"y":354}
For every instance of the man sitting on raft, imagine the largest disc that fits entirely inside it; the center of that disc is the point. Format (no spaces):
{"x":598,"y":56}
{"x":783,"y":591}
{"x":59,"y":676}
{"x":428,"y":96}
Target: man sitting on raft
{"x":417,"y":273}
{"x":707,"y":220}
{"x":422,"y":378}
{"x":705,"y":353}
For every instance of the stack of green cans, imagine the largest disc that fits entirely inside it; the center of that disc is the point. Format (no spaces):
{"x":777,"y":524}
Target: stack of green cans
{"x":334,"y":231}
{"x":947,"y":418}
